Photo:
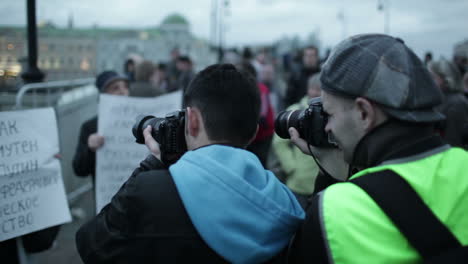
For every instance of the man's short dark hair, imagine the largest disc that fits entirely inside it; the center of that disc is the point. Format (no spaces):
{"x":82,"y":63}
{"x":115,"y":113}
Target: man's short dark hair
{"x":229,"y":102}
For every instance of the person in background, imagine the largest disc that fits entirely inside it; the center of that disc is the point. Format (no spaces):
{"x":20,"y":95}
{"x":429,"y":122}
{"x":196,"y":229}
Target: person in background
{"x":460,"y":59}
{"x":297,"y":84}
{"x":260,"y":146}
{"x":143,"y":87}
{"x":34,"y":242}
{"x":465,"y":84}
{"x":215,"y":204}
{"x":427,"y":58}
{"x":454,"y":129}
{"x":172,"y":70}
{"x":186,"y":73}
{"x":84,"y":160}
{"x":160,"y":79}
{"x":300,"y":169}
{"x":129,"y":69}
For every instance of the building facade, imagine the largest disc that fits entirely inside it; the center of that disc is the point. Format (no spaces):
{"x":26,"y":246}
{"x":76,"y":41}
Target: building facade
{"x":72,"y":53}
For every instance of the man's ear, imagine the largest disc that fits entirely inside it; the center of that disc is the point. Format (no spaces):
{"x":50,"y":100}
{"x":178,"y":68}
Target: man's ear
{"x":368,"y":113}
{"x":193,"y":121}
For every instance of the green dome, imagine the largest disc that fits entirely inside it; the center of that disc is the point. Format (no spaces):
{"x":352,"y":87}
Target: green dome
{"x":175,"y":19}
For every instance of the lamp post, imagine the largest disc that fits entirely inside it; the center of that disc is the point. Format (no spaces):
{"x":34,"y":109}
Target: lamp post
{"x":32,"y":73}
{"x":384,"y":6}
{"x":341,"y":17}
{"x":218,"y":13}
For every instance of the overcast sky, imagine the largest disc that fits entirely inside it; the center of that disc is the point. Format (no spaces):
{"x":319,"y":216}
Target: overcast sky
{"x":425,"y":25}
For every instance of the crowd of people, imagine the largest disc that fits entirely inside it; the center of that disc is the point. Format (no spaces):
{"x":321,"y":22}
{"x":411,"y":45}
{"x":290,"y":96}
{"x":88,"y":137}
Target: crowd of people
{"x":390,"y":186}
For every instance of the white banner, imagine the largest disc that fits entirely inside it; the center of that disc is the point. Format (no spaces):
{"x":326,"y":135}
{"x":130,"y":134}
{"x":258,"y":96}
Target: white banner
{"x":120,"y":155}
{"x":32,"y":194}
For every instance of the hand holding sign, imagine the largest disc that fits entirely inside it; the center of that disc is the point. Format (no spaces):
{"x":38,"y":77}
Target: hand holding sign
{"x":32,"y":195}
{"x":95,"y":141}
{"x":120,"y":155}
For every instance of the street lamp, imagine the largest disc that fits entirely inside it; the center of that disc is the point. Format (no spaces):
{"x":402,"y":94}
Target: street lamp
{"x":341,"y":17}
{"x":218,"y":13}
{"x":384,"y":6}
{"x":32,"y":73}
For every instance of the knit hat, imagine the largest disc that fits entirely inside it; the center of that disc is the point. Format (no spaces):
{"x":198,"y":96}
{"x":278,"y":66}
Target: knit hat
{"x":384,"y":70}
{"x":107,"y":77}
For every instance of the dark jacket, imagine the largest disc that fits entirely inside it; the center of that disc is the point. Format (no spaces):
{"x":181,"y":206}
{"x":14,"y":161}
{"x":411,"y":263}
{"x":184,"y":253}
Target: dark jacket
{"x":33,"y":243}
{"x":297,"y":85}
{"x":390,"y":141}
{"x":84,"y":161}
{"x":455,"y":128}
{"x":121,"y":233}
{"x":148,"y":220}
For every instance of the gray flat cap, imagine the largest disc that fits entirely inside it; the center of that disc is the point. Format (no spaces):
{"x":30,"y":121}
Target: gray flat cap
{"x":384,"y":70}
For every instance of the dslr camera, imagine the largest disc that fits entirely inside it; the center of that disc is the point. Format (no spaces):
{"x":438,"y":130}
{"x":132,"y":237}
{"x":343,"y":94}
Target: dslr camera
{"x":167,"y":131}
{"x":310,"y":123}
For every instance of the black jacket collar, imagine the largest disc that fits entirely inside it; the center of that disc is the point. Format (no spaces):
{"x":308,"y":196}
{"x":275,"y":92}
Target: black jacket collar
{"x":393,"y":140}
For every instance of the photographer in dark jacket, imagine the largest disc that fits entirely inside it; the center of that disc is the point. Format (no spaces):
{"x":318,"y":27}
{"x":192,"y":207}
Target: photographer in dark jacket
{"x":215,"y":204}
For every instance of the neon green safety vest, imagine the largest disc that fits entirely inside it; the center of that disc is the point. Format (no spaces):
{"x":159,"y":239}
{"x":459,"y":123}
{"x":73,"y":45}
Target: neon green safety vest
{"x":357,"y":230}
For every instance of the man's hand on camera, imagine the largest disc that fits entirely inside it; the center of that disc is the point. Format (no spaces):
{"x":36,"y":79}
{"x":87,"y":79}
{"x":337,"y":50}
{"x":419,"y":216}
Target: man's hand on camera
{"x":298,"y":141}
{"x":151,"y":143}
{"x":95,"y":141}
{"x":331,"y":159}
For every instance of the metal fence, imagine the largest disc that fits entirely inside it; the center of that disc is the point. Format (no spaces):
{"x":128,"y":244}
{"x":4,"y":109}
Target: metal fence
{"x":74,"y":101}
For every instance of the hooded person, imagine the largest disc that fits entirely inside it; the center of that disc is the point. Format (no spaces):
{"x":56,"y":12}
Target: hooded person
{"x":215,"y":204}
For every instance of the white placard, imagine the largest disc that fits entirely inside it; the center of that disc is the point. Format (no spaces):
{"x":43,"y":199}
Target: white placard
{"x":120,"y":155}
{"x":32,"y":195}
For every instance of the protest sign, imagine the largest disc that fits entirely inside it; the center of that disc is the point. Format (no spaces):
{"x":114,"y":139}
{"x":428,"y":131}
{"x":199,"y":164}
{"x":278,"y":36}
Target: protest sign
{"x":120,"y":155}
{"x":32,"y":194}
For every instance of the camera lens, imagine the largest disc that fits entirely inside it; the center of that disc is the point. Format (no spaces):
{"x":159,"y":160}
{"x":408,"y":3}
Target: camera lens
{"x":285,"y":120}
{"x":141,"y":123}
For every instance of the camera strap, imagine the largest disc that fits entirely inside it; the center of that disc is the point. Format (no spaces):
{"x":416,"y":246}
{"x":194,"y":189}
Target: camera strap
{"x":324,"y":171}
{"x":428,"y":235}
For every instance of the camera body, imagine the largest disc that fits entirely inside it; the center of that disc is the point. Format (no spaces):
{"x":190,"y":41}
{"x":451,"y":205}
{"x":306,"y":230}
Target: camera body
{"x":310,"y":123}
{"x":167,"y":131}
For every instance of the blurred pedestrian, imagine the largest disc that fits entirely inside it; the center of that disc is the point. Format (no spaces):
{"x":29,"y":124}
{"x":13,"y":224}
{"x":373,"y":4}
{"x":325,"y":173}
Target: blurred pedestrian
{"x":172,"y":70}
{"x":427,"y":58}
{"x":186,"y":73}
{"x":143,"y":87}
{"x":454,"y":129}
{"x":300,"y":169}
{"x":129,"y":69}
{"x":161,"y":80}
{"x":297,"y":84}
{"x":261,"y":144}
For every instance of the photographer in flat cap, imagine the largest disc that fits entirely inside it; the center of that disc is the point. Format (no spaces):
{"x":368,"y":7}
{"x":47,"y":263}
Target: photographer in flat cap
{"x":407,"y":201}
{"x":200,"y":197}
{"x":84,"y":161}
